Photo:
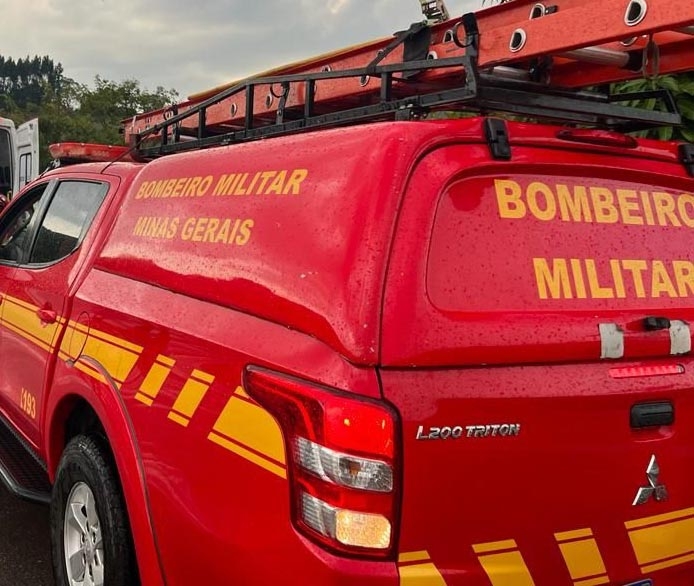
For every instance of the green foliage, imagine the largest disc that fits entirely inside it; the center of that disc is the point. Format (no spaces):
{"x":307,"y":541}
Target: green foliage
{"x":682,"y":89}
{"x":26,"y":81}
{"x":69,"y":111}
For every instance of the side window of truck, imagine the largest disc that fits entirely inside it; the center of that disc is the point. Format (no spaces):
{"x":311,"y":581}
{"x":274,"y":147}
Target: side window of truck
{"x":17,"y":226}
{"x":69,"y":216}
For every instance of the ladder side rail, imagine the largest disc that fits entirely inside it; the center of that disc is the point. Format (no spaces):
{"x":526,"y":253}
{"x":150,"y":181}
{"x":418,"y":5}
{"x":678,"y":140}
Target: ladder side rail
{"x":557,"y":33}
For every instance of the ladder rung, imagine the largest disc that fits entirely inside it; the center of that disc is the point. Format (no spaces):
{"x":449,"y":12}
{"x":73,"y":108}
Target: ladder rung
{"x":599,"y":56}
{"x":676,"y":55}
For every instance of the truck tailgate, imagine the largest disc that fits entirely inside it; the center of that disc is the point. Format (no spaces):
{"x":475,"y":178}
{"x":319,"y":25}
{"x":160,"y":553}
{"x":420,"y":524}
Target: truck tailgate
{"x":536,"y":342}
{"x":528,"y":475}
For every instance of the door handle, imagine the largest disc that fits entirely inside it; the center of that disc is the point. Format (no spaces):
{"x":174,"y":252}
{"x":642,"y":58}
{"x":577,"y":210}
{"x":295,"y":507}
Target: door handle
{"x":652,"y":414}
{"x":47,"y":316}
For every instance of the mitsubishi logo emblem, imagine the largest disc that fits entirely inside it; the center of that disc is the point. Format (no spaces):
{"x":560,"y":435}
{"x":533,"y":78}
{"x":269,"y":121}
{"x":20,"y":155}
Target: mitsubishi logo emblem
{"x":658,"y":491}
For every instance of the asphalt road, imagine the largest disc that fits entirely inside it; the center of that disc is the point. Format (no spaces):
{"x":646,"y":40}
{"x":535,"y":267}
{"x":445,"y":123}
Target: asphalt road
{"x":25,"y":556}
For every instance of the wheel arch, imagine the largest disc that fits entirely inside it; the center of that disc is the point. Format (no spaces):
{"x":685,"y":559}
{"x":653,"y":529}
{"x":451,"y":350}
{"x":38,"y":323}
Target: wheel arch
{"x":79,"y":402}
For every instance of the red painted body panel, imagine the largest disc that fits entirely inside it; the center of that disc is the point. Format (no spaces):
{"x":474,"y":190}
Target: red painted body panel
{"x":575,"y":465}
{"x":312,"y":258}
{"x":217,"y":515}
{"x":376,"y":261}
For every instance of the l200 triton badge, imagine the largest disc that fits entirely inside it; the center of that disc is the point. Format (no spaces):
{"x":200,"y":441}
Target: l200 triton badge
{"x":458,"y":431}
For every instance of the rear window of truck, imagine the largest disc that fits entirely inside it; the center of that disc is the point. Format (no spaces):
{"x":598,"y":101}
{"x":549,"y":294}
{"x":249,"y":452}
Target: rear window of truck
{"x":521,"y":242}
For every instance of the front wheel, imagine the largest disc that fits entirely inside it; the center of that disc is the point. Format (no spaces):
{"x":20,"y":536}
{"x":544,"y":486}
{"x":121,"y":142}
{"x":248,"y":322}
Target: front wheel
{"x":89,"y":524}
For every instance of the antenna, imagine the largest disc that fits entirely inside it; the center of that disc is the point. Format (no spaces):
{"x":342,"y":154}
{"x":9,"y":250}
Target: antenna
{"x":434,"y":10}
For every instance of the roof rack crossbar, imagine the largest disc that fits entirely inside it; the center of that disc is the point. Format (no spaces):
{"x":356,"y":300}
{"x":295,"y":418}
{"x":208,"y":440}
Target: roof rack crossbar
{"x":477,"y":93}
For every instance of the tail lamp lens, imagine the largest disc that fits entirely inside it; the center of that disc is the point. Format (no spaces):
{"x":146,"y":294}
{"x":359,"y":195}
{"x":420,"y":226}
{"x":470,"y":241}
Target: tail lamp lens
{"x":352,"y":528}
{"x":343,"y":469}
{"x":342,"y":457}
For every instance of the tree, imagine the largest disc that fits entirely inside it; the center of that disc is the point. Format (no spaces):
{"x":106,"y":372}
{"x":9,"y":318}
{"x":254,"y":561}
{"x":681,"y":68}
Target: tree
{"x":69,"y":111}
{"x":26,"y":81}
{"x":682,"y":89}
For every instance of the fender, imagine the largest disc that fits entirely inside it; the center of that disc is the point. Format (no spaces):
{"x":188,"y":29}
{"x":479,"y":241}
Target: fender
{"x":71,"y":384}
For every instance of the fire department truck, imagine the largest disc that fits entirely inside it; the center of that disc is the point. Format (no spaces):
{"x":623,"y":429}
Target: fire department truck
{"x":312,"y":328}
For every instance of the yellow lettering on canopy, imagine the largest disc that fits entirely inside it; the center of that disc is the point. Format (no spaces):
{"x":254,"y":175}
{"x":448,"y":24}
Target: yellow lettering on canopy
{"x":636,"y":268}
{"x":574,"y":207}
{"x":552,"y":282}
{"x":541,"y":201}
{"x":684,"y":275}
{"x":596,"y":290}
{"x":660,"y":281}
{"x":665,"y":209}
{"x":603,"y":205}
{"x":508,"y":197}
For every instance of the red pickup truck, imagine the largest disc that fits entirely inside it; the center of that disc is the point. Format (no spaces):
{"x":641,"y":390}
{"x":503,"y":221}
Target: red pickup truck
{"x":368,"y":355}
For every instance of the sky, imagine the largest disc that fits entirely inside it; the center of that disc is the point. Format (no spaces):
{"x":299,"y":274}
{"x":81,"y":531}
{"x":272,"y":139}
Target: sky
{"x":194,"y":45}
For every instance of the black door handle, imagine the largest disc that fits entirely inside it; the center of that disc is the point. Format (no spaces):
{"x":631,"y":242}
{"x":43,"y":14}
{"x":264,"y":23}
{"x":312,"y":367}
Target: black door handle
{"x":652,"y":414}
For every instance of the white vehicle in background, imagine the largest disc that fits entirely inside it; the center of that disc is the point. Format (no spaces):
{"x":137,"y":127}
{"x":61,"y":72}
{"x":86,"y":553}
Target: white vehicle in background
{"x":19,"y":156}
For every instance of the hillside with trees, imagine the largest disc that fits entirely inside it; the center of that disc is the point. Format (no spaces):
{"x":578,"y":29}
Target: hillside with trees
{"x":67,"y":110}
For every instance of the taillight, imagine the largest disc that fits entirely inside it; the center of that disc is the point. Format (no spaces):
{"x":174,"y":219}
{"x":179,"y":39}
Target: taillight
{"x":342,"y":454}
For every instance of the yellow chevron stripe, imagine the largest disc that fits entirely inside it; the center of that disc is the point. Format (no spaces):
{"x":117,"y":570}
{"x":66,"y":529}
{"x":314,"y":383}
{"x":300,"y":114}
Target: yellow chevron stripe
{"x":503,"y":568}
{"x":423,"y":573}
{"x":249,"y":424}
{"x":582,"y":557}
{"x":191,"y":396}
{"x":670,"y":543}
{"x":248,"y":455}
{"x":154,"y":381}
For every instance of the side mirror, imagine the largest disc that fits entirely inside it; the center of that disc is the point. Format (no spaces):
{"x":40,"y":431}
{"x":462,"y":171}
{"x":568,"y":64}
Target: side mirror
{"x":3,"y":201}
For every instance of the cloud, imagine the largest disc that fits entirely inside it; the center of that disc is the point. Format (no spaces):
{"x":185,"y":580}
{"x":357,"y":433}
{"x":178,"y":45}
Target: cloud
{"x":189,"y":45}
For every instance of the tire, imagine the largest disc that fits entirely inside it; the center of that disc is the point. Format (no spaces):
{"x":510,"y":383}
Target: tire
{"x":96,"y":536}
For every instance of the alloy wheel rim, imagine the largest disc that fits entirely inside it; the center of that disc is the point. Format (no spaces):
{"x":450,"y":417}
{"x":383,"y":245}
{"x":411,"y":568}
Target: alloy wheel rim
{"x":82,"y":538}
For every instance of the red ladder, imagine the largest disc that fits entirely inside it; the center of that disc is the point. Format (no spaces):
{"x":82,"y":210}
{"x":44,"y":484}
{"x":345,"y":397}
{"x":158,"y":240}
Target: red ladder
{"x":624,"y":37}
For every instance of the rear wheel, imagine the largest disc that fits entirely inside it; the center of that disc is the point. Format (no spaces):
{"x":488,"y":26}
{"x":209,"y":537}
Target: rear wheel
{"x":89,"y":525}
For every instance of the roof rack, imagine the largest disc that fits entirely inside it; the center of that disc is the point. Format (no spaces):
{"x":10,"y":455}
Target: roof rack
{"x":522,"y":58}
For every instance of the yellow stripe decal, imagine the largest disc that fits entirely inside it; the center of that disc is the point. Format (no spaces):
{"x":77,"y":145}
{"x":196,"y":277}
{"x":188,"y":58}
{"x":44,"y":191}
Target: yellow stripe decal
{"x":241,"y":392}
{"x":202,"y":377}
{"x":494,"y":546}
{"x":593,"y":581}
{"x":413,"y":556}
{"x":178,"y":419}
{"x":424,"y":573}
{"x":582,"y":557}
{"x":668,"y":563}
{"x":117,"y":361}
{"x":144,"y":399}
{"x":659,"y":518}
{"x":103,"y":337}
{"x":154,"y":381}
{"x":569,"y":535}
{"x":22,"y":333}
{"x":506,"y":569}
{"x":86,"y":369}
{"x":248,"y":455}
{"x":22,"y":319}
{"x":191,"y":395}
{"x":250,"y":425}
{"x":659,"y":544}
